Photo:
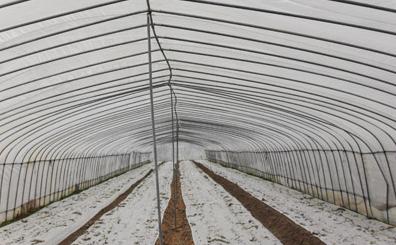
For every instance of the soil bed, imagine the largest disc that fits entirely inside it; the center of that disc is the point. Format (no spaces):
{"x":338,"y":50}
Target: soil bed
{"x":72,"y":237}
{"x":175,"y":227}
{"x":288,"y":232}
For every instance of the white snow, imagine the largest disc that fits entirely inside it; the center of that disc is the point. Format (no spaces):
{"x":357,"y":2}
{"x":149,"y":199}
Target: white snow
{"x":332,"y":224}
{"x":134,"y":221}
{"x":215,"y":216}
{"x":56,"y":221}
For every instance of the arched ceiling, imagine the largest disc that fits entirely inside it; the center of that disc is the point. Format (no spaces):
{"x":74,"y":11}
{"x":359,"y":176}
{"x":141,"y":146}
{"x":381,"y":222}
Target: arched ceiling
{"x":246,"y":75}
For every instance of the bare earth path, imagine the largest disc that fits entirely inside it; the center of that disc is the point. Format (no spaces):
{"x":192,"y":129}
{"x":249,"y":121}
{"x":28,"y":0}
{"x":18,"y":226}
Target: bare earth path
{"x":175,"y":227}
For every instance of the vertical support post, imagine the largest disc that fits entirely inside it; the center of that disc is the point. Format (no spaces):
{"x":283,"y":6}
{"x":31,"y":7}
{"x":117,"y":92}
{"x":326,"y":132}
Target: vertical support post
{"x":173,"y":158}
{"x":153,"y":129}
{"x":177,"y":142}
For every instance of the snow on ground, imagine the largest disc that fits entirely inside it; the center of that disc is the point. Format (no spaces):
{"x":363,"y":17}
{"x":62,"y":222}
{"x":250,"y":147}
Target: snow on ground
{"x":215,"y":216}
{"x":134,"y":221}
{"x":54,"y":222}
{"x":332,"y":224}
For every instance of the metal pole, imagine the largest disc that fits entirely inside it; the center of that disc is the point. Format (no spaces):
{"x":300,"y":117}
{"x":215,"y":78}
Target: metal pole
{"x":177,"y":143}
{"x":173,"y":135}
{"x":173,"y":159}
{"x":153,"y":129}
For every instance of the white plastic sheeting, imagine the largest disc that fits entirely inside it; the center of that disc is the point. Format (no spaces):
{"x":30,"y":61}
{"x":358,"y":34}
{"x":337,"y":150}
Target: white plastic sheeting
{"x":255,"y":76}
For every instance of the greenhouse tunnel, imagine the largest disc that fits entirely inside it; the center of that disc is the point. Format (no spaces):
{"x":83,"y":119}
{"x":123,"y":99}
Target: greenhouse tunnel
{"x":301,"y":93}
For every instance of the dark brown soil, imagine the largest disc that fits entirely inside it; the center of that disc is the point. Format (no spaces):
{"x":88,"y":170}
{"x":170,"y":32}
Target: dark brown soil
{"x":288,"y":232}
{"x":72,"y":237}
{"x":176,"y":229}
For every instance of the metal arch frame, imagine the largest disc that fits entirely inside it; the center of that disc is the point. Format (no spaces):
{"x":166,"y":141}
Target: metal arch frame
{"x":274,"y":30}
{"x":245,"y":109}
{"x":292,"y":68}
{"x":72,"y":107}
{"x":220,"y":105}
{"x":79,"y":95}
{"x":371,"y":150}
{"x":264,"y":105}
{"x":279,"y":117}
{"x":75,"y":41}
{"x":266,"y":134}
{"x":380,"y":169}
{"x":151,"y":94}
{"x":50,"y":157}
{"x":273,"y":99}
{"x":372,"y":6}
{"x":5,"y":5}
{"x":253,"y":141}
{"x":287,"y":14}
{"x":81,"y":125}
{"x":65,"y":130}
{"x":246,"y":50}
{"x":62,"y":14}
{"x":376,"y":138}
{"x":72,"y":55}
{"x":72,"y":42}
{"x":294,"y":90}
{"x":300,"y":167}
{"x":262,"y":53}
{"x":78,"y":68}
{"x":303,"y":141}
{"x":73,"y":29}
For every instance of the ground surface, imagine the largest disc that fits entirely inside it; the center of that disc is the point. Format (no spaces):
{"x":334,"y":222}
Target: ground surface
{"x":134,"y":221}
{"x":214,"y":216}
{"x":282,"y":227}
{"x":54,"y":222}
{"x":330,"y":223}
{"x":175,"y":226}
